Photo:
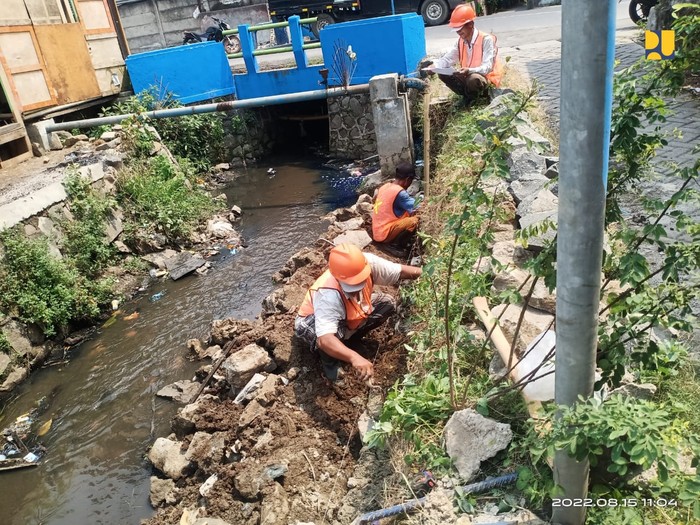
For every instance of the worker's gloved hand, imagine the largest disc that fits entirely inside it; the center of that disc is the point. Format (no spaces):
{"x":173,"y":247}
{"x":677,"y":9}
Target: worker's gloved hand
{"x":363,"y":368}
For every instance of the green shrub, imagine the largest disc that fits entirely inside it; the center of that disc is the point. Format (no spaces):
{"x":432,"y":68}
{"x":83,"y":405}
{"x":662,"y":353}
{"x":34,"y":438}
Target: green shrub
{"x":198,"y":138}
{"x":84,"y":238}
{"x":160,"y":197}
{"x":621,"y":437}
{"x":40,"y":288}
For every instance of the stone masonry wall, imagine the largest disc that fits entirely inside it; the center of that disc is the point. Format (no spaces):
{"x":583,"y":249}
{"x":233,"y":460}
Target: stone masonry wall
{"x":249,"y":135}
{"x":351,"y":127}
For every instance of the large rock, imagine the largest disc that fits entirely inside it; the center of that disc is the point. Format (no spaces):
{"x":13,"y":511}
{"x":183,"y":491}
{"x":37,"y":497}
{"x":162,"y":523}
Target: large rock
{"x":524,"y":163}
{"x":371,"y":182}
{"x":14,"y":378}
{"x":183,"y":264}
{"x":206,"y":449}
{"x":4,"y":363}
{"x":470,"y":438}
{"x":544,"y":201}
{"x":221,"y":229}
{"x":521,"y":189}
{"x":275,"y":507}
{"x":644,"y":391}
{"x":509,"y":254}
{"x":115,"y":224}
{"x":158,"y":259}
{"x":185,"y":421}
{"x":513,"y":278}
{"x":359,"y":238}
{"x":302,"y":258}
{"x":534,"y":323}
{"x":180,"y":391}
{"x":167,"y":457}
{"x":162,"y":492}
{"x":17,"y":336}
{"x":242,"y":365}
{"x":252,"y":411}
{"x":223,"y":330}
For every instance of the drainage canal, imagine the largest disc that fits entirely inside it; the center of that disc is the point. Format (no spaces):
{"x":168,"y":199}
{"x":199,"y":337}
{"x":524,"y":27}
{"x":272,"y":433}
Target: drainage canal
{"x":102,"y":403}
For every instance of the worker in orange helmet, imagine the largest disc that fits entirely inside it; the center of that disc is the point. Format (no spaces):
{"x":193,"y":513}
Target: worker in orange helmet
{"x":342,"y":306}
{"x":476,"y":54}
{"x":394,"y":217}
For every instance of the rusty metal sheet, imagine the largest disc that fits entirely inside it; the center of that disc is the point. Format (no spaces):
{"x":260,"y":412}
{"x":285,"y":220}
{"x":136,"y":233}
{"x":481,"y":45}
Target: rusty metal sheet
{"x":68,"y":63}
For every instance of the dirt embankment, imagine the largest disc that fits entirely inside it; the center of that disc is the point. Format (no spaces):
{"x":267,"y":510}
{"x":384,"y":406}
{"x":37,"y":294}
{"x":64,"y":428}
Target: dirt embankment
{"x":291,"y":451}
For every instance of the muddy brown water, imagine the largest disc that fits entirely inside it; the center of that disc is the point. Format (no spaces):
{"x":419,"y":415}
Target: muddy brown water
{"x":102,"y":403}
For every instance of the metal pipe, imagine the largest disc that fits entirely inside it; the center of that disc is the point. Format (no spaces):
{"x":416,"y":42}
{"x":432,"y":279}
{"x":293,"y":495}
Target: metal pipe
{"x":413,"y":504}
{"x":303,"y":96}
{"x":412,"y":83}
{"x":271,"y":25}
{"x":276,"y":50}
{"x":586,"y":87}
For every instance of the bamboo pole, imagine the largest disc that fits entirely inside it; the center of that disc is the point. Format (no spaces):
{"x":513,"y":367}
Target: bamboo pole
{"x":426,"y":142}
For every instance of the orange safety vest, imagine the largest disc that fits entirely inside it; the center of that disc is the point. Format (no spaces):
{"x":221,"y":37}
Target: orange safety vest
{"x":354,"y":314}
{"x":496,"y":73}
{"x":383,"y":213}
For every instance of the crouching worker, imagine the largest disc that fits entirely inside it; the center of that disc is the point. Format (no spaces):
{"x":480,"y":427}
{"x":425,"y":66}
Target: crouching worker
{"x":342,"y":304}
{"x":393,"y":216}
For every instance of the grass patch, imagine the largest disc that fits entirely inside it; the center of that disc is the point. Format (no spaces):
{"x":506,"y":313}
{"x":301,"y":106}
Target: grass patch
{"x":162,"y":197}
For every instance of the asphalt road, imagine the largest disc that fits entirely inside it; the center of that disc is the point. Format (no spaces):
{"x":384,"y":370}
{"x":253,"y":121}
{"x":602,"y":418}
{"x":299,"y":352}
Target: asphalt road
{"x":513,"y":28}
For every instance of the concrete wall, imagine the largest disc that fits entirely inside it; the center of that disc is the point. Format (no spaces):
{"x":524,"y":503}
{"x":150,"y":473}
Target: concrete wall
{"x":351,"y":132}
{"x":155,"y":24}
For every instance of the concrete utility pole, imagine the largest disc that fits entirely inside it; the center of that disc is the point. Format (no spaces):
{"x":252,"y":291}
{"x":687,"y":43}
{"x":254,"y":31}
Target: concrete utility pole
{"x":588,"y":49}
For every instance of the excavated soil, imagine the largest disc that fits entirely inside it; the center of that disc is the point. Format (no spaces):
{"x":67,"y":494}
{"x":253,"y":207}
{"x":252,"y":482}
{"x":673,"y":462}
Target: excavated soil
{"x":306,"y":428}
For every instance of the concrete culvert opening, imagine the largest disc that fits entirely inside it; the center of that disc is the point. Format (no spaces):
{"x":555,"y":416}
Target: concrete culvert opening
{"x":301,"y":125}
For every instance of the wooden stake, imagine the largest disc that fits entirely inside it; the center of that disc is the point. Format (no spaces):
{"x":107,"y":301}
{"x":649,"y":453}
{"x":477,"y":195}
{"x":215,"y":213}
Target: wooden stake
{"x":426,"y":143}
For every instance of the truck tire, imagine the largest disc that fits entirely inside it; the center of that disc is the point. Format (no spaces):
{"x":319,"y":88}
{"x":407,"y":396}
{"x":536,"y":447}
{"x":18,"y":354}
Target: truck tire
{"x":434,"y":12}
{"x":322,"y":20}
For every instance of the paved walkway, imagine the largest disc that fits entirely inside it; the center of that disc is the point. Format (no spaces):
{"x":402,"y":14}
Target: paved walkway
{"x":542,"y":62}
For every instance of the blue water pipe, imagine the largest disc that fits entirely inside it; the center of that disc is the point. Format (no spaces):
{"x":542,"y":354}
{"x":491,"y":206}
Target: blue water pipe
{"x":407,"y":506}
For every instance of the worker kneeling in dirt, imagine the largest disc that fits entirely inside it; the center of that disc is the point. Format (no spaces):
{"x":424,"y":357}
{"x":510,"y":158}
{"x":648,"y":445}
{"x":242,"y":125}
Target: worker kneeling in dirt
{"x":342,"y":304}
{"x":393,"y":216}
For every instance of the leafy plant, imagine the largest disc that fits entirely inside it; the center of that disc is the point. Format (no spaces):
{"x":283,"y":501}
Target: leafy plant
{"x":84,"y":237}
{"x":40,"y":288}
{"x":159,"y":196}
{"x":198,"y":138}
{"x":620,"y":437}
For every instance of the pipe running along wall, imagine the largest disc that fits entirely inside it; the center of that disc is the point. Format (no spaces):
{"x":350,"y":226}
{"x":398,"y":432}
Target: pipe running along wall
{"x":319,"y":94}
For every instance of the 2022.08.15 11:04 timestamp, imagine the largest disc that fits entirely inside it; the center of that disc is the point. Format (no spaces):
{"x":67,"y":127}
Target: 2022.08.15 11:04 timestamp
{"x":613,"y":502}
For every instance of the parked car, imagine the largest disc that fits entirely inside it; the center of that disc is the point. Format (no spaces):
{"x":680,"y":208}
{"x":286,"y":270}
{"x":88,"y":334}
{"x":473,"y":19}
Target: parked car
{"x":434,"y":12}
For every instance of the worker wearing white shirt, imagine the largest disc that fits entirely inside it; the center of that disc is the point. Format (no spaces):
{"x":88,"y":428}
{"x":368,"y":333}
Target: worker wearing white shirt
{"x":475,"y":52}
{"x":342,"y":303}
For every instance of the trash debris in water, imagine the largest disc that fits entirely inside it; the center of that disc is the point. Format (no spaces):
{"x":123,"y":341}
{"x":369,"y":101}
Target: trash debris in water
{"x":233,"y":251}
{"x":109,"y":322}
{"x":132,"y":316}
{"x":31,"y":458}
{"x":115,"y":304}
{"x":43,"y":429}
{"x":157,"y":296}
{"x":271,"y":172}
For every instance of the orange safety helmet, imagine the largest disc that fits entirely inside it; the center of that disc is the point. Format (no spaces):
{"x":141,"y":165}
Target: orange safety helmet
{"x":461,"y":15}
{"x":348,"y":265}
